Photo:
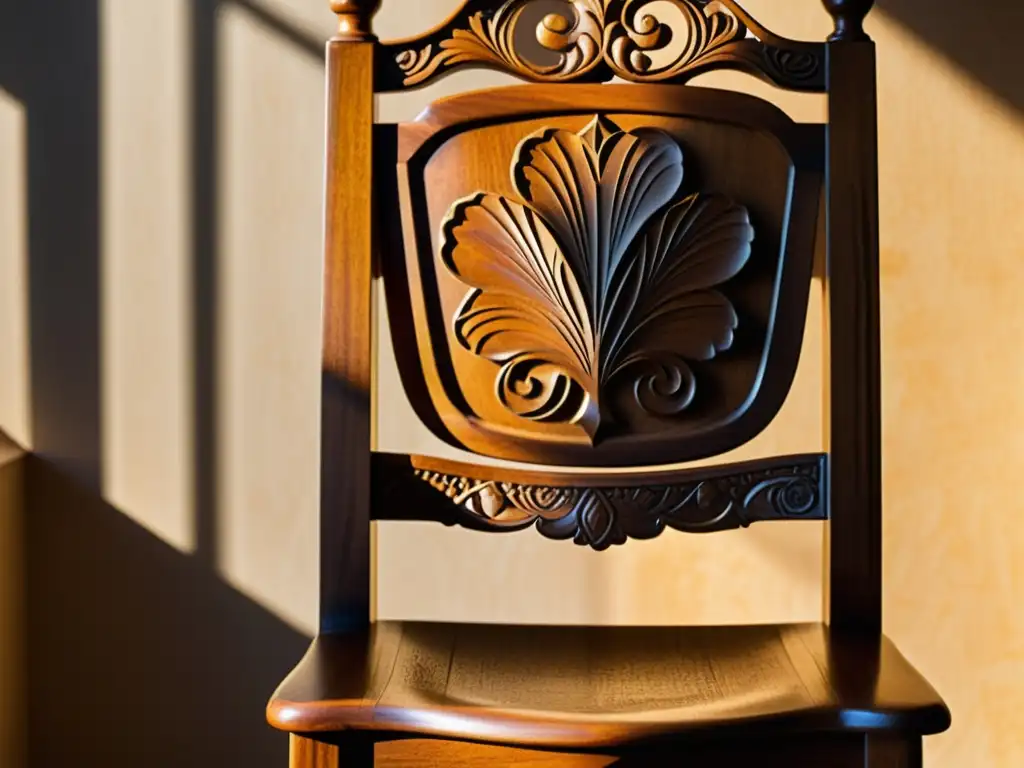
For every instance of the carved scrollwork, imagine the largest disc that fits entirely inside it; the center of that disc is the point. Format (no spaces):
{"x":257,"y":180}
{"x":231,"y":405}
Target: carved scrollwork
{"x":637,"y":40}
{"x":501,"y":504}
{"x":792,"y":65}
{"x":634,"y":37}
{"x":600,"y":517}
{"x":599,"y":279}
{"x":491,"y":39}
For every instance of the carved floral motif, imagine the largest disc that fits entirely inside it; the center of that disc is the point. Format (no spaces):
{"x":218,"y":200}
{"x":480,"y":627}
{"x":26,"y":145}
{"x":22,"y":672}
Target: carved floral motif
{"x":602,"y":517}
{"x":600,"y":278}
{"x":597,"y":39}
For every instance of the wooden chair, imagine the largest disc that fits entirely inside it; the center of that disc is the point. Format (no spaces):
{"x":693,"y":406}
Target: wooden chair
{"x":602,"y":275}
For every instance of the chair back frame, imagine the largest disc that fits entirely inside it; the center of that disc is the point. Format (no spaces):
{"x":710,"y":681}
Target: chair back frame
{"x":604,"y":39}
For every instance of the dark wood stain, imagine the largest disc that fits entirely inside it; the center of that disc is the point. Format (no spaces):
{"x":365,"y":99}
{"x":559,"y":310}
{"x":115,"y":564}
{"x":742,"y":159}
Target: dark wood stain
{"x":599,"y":509}
{"x":676,"y":340}
{"x":484,"y":373}
{"x":597,"y":687}
{"x":854,"y":543}
{"x":13,"y":643}
{"x":813,"y":750}
{"x":347,"y":361}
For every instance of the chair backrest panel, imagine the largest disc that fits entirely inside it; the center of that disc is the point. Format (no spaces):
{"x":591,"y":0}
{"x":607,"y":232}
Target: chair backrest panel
{"x":601,"y":275}
{"x":486,"y":159}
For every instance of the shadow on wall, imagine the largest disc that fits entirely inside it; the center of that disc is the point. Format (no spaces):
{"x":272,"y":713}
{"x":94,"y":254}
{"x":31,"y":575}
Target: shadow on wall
{"x":140,"y":655}
{"x":50,"y":64}
{"x":982,"y":37}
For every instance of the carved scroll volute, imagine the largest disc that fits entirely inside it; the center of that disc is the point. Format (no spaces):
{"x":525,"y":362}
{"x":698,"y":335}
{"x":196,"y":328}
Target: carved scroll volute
{"x":632,"y":36}
{"x":600,"y":516}
{"x":354,"y":18}
{"x":849,"y":18}
{"x":595,"y":40}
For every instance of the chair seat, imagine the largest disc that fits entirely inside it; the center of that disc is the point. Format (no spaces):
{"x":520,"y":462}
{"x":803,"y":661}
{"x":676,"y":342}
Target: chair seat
{"x":591,"y":687}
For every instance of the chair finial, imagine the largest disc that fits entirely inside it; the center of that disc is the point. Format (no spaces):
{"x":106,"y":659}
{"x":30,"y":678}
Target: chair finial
{"x":849,"y":18}
{"x":354,"y":18}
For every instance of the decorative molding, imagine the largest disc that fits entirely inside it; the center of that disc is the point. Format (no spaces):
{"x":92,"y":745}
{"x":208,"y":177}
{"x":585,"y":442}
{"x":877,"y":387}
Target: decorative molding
{"x":595,"y":292}
{"x":354,"y":19}
{"x":848,"y":16}
{"x":595,"y":40}
{"x":787,"y":488}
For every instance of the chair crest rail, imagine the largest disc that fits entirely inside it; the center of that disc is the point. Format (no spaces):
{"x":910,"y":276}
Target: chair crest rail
{"x":596,"y":40}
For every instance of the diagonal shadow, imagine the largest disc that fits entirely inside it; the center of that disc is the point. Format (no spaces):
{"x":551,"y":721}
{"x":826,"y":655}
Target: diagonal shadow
{"x":205,"y":192}
{"x":204,"y":66}
{"x":140,"y":655}
{"x":982,"y":37}
{"x":54,"y":60}
{"x":298,"y":38}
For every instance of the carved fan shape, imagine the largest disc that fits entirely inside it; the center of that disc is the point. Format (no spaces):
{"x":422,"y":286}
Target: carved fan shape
{"x":598,"y":277}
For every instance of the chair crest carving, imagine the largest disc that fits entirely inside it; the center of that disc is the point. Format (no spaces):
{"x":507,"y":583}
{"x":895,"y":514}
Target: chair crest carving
{"x":595,"y":40}
{"x":601,"y":277}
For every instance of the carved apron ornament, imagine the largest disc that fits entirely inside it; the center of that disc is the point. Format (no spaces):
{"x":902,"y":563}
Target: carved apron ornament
{"x":604,"y":516}
{"x":601,"y":277}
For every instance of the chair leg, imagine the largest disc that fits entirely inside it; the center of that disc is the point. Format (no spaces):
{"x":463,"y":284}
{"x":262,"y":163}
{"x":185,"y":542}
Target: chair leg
{"x":893,"y":752}
{"x":347,"y":753}
{"x":867,"y":751}
{"x":307,"y":753}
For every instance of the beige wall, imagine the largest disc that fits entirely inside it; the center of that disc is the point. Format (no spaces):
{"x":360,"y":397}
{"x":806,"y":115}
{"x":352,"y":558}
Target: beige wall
{"x":14,"y":382}
{"x":952,"y":159}
{"x":952,"y":154}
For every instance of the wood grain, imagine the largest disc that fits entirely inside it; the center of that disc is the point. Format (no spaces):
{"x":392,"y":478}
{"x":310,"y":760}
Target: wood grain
{"x":854,"y":538}
{"x":816,"y":750}
{"x":839,"y":693}
{"x":310,"y":753}
{"x":446,"y":116}
{"x":600,"y":331}
{"x":13,"y":683}
{"x":598,"y":509}
{"x":893,"y":752}
{"x":812,"y":750}
{"x":345,"y":557}
{"x":619,"y":355}
{"x":354,"y":18}
{"x":428,"y":753}
{"x":595,"y":41}
{"x":595,"y":687}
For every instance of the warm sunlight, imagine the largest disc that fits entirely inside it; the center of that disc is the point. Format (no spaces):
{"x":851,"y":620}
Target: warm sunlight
{"x":15,"y":391}
{"x":161,"y":228}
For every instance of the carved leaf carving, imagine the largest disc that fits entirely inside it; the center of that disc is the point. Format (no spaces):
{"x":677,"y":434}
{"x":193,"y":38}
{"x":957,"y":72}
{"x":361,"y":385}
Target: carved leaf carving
{"x":596,"y":277}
